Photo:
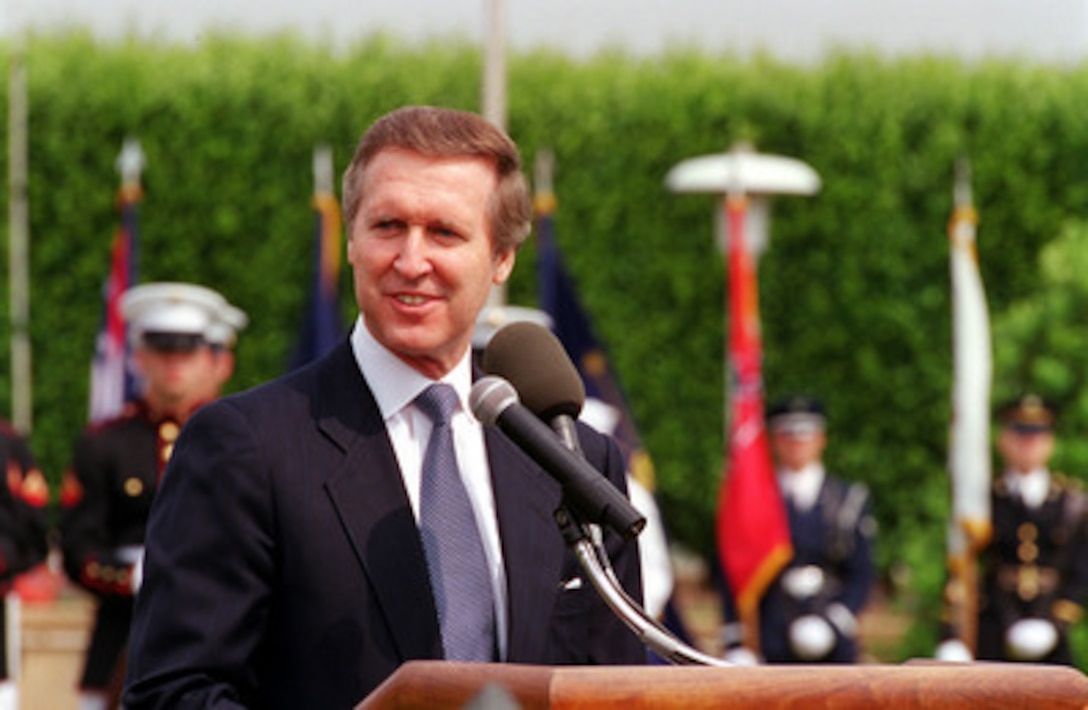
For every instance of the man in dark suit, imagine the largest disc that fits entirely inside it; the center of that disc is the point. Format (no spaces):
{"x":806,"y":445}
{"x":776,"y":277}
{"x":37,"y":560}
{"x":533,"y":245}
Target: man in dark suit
{"x":285,"y":565}
{"x":809,"y":613}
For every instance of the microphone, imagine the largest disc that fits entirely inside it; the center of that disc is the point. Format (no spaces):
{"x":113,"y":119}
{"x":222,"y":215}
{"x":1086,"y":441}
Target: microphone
{"x":494,"y":401}
{"x":534,"y":361}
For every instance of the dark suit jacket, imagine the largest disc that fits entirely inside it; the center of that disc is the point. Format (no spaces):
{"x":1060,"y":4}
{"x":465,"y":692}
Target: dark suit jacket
{"x":284,"y":567}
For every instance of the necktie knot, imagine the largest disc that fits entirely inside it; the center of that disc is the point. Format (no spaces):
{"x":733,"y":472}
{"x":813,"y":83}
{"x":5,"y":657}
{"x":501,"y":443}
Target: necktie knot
{"x":438,"y":402}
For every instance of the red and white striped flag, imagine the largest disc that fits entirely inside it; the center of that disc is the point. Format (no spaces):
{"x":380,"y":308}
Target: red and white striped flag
{"x":112,"y":380}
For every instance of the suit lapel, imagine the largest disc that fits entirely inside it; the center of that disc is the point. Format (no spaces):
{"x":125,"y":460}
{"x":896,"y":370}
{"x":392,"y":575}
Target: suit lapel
{"x":368,"y":495}
{"x":525,"y":499}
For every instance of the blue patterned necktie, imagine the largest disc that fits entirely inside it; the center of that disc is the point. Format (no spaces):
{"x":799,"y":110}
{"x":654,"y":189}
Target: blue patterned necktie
{"x":451,"y":540}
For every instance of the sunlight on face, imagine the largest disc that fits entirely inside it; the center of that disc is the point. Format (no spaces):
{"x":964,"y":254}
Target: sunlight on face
{"x":422,"y":254}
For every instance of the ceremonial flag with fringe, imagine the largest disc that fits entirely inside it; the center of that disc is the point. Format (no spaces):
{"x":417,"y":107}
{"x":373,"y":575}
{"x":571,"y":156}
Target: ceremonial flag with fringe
{"x":558,"y":297}
{"x":753,"y":529}
{"x":113,"y":381}
{"x":969,"y":431}
{"x":322,"y":325}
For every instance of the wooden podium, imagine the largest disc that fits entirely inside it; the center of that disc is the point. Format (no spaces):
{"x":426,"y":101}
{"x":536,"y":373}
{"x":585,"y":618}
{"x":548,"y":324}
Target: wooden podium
{"x":917,"y":684}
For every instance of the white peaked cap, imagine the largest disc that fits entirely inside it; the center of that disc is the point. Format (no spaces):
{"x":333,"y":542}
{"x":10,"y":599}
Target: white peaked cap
{"x":223,"y":330}
{"x":168,"y":307}
{"x":492,"y":318}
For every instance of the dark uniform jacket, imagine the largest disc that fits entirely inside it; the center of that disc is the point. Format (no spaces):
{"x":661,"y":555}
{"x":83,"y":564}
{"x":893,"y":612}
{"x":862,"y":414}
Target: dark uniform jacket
{"x":285,"y":568}
{"x":833,"y":540}
{"x":1035,"y":567}
{"x":105,"y":501}
{"x":23,"y":518}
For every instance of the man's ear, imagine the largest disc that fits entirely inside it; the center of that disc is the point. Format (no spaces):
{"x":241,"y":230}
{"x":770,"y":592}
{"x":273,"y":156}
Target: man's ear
{"x":504,"y":266}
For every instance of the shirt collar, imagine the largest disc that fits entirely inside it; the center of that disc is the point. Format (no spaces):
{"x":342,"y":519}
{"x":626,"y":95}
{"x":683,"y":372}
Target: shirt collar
{"x":802,"y":487}
{"x":1032,"y":487}
{"x":396,"y":384}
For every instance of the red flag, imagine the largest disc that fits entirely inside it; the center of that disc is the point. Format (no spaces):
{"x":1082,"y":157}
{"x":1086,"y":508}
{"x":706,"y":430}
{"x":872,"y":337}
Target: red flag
{"x":753,"y":531}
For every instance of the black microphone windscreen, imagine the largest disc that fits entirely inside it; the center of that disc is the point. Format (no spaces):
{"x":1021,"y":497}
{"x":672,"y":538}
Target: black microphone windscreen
{"x":532,"y":359}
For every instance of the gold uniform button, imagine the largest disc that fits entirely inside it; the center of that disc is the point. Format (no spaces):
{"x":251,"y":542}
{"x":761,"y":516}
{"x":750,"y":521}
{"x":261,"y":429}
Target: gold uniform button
{"x":1027,"y":551}
{"x":1027,"y":583}
{"x":133,"y":487}
{"x":1027,"y":532}
{"x":166,"y":452}
{"x":168,"y":431}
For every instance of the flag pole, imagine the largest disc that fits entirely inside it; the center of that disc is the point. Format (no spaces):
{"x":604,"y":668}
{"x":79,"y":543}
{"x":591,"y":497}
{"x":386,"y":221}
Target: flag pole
{"x":323,"y":170}
{"x":493,"y":97}
{"x":496,"y":312}
{"x":19,"y":244}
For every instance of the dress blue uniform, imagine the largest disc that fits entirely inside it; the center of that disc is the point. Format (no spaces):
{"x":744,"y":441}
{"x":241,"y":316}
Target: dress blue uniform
{"x":809,"y":612}
{"x":1034,"y":580}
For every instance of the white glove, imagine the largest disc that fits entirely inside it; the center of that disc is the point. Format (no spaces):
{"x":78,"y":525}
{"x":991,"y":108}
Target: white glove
{"x":953,"y":651}
{"x":741,"y":656}
{"x":1030,"y":639}
{"x":811,"y":637}
{"x":134,"y":555}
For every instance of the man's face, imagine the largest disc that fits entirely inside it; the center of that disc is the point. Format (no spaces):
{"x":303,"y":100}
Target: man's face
{"x":422,"y":254}
{"x":1027,"y":451}
{"x":176,"y":379}
{"x":794,"y":450}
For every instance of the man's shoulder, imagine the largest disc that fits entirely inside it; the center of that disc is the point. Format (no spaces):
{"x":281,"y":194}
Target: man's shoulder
{"x":328,"y":386}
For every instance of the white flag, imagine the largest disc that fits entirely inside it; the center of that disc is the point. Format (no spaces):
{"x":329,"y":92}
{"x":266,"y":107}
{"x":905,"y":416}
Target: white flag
{"x":969,"y":439}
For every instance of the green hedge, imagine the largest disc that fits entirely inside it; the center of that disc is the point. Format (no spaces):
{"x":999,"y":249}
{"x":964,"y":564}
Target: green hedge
{"x":854,"y":288}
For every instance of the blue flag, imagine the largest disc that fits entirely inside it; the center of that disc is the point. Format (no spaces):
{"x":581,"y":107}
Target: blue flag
{"x":558,"y":297}
{"x":322,"y":326}
{"x":606,"y":406}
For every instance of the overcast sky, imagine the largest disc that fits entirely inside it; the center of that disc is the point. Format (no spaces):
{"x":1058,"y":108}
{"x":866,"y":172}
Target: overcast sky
{"x":1052,"y":30}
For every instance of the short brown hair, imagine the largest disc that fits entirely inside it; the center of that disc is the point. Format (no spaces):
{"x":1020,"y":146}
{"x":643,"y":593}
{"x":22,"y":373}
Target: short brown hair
{"x":434,"y":131}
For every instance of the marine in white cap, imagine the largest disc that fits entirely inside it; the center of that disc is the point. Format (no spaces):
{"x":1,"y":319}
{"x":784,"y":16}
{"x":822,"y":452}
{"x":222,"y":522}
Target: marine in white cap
{"x":182,"y":335}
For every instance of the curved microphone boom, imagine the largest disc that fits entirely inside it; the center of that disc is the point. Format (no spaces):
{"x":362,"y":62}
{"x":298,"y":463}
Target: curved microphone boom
{"x":494,"y":401}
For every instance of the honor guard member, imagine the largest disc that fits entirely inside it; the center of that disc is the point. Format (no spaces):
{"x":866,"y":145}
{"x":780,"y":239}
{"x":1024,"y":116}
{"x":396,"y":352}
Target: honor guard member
{"x":809,"y":613}
{"x":107,"y":493}
{"x":23,"y":541}
{"x":1034,"y":576}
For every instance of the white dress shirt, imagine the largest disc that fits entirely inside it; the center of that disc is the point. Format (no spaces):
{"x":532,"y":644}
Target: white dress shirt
{"x":1031,"y":487}
{"x":802,"y":487}
{"x":395,"y":386}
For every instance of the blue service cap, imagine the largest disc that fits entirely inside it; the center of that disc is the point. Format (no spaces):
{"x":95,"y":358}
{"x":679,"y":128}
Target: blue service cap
{"x":797,"y":414}
{"x":1029,"y":414}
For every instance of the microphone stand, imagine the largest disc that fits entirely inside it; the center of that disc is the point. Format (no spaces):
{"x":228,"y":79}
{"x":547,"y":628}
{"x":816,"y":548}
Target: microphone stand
{"x":586,"y":543}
